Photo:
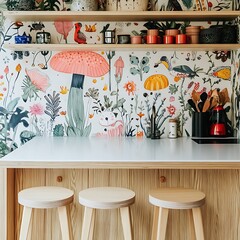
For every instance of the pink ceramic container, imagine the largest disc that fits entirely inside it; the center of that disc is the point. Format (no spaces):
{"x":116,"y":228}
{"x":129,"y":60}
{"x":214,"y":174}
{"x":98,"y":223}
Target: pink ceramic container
{"x":136,"y":39}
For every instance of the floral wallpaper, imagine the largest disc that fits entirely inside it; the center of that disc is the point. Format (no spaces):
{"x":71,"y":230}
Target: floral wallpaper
{"x":105,"y":93}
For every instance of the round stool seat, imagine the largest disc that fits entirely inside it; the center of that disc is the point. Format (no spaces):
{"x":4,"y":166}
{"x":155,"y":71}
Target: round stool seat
{"x":45,"y":197}
{"x":106,"y":197}
{"x":176,"y":198}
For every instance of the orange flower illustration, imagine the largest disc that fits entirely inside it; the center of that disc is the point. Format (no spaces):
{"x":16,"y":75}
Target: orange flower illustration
{"x":139,"y":134}
{"x":140,"y":114}
{"x":130,"y":87}
{"x":63,"y":113}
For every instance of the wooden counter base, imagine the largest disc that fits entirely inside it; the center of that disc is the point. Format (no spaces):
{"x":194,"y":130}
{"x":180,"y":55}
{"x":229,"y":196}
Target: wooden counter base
{"x":220,"y":213}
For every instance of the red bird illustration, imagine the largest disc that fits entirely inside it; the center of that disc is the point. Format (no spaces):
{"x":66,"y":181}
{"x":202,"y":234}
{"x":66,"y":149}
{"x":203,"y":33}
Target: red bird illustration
{"x":79,"y":36}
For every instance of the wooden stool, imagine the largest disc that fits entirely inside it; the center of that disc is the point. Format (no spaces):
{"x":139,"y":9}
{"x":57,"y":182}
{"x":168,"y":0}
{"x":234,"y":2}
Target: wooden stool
{"x":106,"y":198}
{"x":43,"y":198}
{"x":164,"y":199}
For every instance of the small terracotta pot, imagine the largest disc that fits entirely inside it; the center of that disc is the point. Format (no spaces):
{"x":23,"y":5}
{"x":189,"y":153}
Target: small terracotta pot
{"x":193,"y":39}
{"x":181,"y":38}
{"x":152,"y":32}
{"x":193,"y":28}
{"x":136,"y":39}
{"x":172,"y":32}
{"x":168,"y":39}
{"x":152,"y":39}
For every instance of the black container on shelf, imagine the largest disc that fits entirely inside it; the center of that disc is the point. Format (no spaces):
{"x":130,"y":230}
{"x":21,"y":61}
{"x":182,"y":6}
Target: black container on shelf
{"x":200,"y":124}
{"x":210,"y":35}
{"x":228,"y":33}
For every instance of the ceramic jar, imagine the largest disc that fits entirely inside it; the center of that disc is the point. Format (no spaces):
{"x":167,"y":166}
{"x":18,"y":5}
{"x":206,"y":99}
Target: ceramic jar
{"x":152,"y":39}
{"x":181,"y":39}
{"x":124,"y":39}
{"x":172,"y":128}
{"x":228,"y":33}
{"x":168,"y":39}
{"x":136,"y":39}
{"x":126,"y":5}
{"x":22,"y":39}
{"x":192,"y":33}
{"x":152,"y":36}
{"x":152,"y":32}
{"x":210,"y":35}
{"x":84,"y":5}
{"x":172,"y":32}
{"x":43,"y":37}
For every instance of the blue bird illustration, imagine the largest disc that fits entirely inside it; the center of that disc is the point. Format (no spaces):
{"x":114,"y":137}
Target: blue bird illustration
{"x":178,"y":72}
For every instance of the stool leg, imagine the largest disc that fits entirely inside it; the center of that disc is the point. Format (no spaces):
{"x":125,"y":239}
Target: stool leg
{"x":26,"y":217}
{"x":160,"y":217}
{"x":126,"y":223}
{"x":198,"y":223}
{"x":155,"y":223}
{"x":88,"y":223}
{"x":65,"y":223}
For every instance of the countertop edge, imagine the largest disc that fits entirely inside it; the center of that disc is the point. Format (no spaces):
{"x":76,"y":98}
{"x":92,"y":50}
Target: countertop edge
{"x":123,"y":165}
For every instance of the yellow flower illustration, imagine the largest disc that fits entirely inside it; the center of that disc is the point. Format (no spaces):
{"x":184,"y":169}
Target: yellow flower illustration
{"x":64,"y":90}
{"x":105,"y":88}
{"x":18,"y":68}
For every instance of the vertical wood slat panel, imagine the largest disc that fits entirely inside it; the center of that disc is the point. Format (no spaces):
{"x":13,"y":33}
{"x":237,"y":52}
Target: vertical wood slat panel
{"x":221,"y":214}
{"x":10,"y":202}
{"x":26,"y":178}
{"x":3,"y":203}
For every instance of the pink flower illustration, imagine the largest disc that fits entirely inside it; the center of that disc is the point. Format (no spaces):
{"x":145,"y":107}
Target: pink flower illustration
{"x":38,"y":79}
{"x":63,"y":28}
{"x":171,"y":109}
{"x":36,"y":109}
{"x":119,"y":65}
{"x":6,"y":70}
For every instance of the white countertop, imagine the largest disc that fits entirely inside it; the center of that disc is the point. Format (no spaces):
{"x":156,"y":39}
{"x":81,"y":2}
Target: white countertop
{"x":81,"y":152}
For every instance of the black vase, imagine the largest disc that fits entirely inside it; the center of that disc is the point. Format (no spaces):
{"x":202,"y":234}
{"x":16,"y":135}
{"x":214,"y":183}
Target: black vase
{"x":228,"y":33}
{"x":200,"y":124}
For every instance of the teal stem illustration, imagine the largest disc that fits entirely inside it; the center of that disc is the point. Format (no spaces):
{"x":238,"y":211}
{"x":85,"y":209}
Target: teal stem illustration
{"x":110,"y":55}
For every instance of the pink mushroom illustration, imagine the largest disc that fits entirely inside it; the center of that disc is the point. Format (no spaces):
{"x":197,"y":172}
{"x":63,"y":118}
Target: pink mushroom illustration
{"x":79,"y":64}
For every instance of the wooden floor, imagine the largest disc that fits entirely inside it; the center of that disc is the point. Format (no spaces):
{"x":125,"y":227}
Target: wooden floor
{"x":221,"y":213}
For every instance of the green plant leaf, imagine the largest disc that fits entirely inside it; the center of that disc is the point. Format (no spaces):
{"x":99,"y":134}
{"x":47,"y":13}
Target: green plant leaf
{"x":11,"y":106}
{"x":146,"y":69}
{"x":144,"y":61}
{"x":134,"y":60}
{"x":134,"y":71}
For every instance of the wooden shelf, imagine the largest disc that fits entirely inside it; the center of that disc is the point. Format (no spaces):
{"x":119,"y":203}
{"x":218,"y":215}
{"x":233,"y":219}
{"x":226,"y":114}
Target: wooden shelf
{"x":102,"y":16}
{"x":121,"y":47}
